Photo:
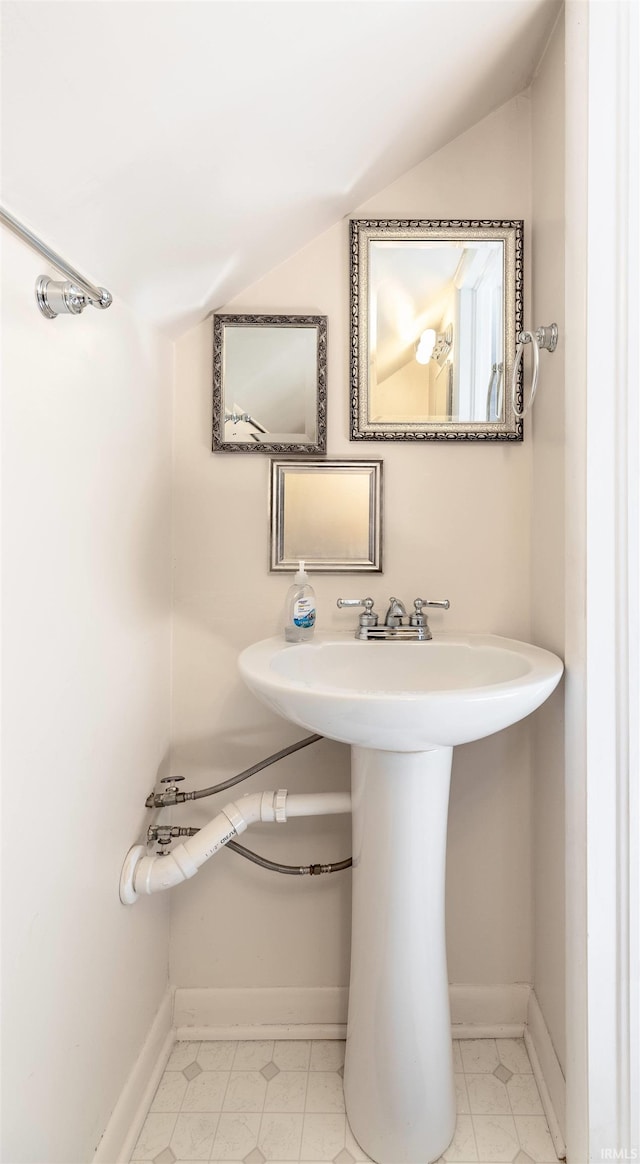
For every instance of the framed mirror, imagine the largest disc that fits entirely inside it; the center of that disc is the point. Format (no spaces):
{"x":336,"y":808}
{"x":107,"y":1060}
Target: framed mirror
{"x":436,"y":305}
{"x":270,"y":383}
{"x":327,"y":513}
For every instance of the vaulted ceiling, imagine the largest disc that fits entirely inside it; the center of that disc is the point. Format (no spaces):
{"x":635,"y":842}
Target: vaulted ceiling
{"x":175,"y":151}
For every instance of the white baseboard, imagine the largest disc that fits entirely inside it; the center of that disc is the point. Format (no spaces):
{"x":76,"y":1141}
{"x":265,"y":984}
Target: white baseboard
{"x":487,"y":1030}
{"x":263,"y":1031}
{"x":479,"y":1012}
{"x":261,"y":1013}
{"x":548,"y":1074}
{"x":130,"y":1112}
{"x":488,"y":1012}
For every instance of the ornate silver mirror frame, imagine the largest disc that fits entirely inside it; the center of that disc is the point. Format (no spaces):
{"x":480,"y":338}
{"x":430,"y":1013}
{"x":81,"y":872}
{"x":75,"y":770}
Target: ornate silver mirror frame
{"x":457,"y":249}
{"x":328,"y":513}
{"x":270,"y":384}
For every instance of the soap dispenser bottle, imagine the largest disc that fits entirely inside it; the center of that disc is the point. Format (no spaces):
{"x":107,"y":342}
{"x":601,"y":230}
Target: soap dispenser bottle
{"x":300,"y":609}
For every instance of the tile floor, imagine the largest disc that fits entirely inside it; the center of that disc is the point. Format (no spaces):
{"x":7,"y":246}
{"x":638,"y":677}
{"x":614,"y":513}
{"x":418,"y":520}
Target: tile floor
{"x":280,"y":1102}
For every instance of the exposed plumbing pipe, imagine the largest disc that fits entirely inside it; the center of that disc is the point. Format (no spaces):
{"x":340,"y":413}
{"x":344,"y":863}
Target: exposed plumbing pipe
{"x":294,"y":870}
{"x":164,"y":834}
{"x":315,"y":803}
{"x":146,"y":874}
{"x":173,"y":796}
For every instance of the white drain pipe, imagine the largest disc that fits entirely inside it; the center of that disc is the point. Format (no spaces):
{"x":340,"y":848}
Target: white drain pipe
{"x":146,"y":874}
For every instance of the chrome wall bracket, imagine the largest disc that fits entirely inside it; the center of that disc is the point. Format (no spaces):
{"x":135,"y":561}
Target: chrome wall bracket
{"x":545,"y":337}
{"x":65,"y":298}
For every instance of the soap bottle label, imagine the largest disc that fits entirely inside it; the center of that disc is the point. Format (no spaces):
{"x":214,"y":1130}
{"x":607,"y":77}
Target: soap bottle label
{"x":304,"y":613}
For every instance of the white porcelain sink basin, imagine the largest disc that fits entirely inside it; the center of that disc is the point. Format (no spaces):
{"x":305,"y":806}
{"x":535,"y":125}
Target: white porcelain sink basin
{"x":401,"y":696}
{"x":402,"y":706}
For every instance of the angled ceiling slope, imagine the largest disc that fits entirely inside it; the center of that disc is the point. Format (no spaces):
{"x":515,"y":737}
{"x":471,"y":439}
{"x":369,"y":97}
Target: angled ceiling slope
{"x":176,"y":151}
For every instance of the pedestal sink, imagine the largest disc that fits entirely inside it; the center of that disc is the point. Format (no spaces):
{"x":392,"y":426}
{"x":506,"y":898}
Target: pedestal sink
{"x":402,"y":706}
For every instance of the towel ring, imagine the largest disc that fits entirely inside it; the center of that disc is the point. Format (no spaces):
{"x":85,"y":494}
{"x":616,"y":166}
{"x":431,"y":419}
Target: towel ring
{"x":543,"y":337}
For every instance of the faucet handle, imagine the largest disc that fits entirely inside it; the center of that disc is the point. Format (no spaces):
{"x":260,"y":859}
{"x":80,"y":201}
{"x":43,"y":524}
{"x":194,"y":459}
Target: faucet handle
{"x":366,"y":602}
{"x":420,"y":602}
{"x":419,"y":618}
{"x":425,"y":602}
{"x":369,"y":618}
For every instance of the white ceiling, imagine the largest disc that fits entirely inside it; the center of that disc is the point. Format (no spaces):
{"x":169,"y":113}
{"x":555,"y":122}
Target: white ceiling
{"x":176,"y":150}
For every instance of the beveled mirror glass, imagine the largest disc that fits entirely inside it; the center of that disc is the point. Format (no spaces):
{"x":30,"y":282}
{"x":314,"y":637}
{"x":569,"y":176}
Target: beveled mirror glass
{"x":328,"y":513}
{"x":436,"y":306}
{"x":269,"y":383}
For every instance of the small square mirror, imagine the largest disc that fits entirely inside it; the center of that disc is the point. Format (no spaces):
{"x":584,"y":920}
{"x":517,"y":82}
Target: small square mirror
{"x":327,"y":513}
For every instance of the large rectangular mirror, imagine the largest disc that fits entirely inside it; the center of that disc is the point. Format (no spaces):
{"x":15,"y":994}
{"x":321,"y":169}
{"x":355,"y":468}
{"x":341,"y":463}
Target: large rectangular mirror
{"x":327,"y":513}
{"x":436,"y":306}
{"x":269,"y":383}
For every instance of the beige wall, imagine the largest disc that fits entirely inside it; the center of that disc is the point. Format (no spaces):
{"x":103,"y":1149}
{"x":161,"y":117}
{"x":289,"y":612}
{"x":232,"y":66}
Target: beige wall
{"x":547,"y":536}
{"x":410,"y":393}
{"x":86,"y":640}
{"x":457,"y":526}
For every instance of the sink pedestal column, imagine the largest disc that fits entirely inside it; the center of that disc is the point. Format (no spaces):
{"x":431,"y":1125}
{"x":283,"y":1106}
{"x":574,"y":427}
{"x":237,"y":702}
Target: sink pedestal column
{"x":398,"y":1078}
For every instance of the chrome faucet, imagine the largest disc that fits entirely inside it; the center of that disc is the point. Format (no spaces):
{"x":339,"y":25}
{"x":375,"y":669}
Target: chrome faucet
{"x":395,"y":613}
{"x":396,"y":624}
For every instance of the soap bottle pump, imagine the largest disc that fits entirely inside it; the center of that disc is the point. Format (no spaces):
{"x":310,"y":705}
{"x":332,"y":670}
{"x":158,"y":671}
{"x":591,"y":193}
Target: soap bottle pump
{"x":300,"y":609}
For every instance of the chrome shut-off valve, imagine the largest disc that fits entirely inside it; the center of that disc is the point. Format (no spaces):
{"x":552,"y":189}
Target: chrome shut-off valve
{"x":169,"y":796}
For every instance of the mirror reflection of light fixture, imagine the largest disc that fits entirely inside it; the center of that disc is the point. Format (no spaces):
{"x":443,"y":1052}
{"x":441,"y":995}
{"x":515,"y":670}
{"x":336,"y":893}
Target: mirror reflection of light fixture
{"x":434,"y":345}
{"x":425,"y":346}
